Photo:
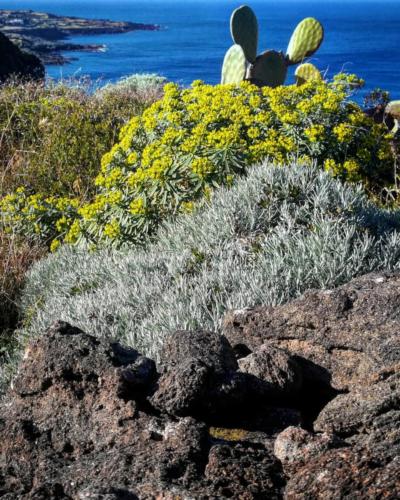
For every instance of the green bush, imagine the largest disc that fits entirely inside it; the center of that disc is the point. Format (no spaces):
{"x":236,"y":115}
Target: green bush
{"x":53,"y":138}
{"x":273,"y":235}
{"x":195,"y":139}
{"x":199,"y":138}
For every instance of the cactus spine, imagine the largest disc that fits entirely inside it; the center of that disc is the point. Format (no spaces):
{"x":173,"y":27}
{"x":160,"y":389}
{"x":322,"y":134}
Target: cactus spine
{"x":270,"y":68}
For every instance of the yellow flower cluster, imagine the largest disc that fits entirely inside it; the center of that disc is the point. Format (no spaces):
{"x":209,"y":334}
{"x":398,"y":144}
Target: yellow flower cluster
{"x":314,"y":133}
{"x":112,"y":230}
{"x":343,"y":132}
{"x":201,"y":137}
{"x":47,"y":218}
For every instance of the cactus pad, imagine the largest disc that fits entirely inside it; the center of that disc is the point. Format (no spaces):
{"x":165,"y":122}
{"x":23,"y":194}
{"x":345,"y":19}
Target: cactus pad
{"x":244,"y":30}
{"x":306,"y":40}
{"x":393,"y":109}
{"x":269,"y":69}
{"x":307,"y":72}
{"x":234,"y":67}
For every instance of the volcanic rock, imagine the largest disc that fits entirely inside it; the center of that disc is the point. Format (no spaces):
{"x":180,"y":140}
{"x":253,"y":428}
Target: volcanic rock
{"x":77,"y":423}
{"x":295,"y":447}
{"x":341,"y":337}
{"x":280,"y":374}
{"x":346,"y":474}
{"x":301,"y":401}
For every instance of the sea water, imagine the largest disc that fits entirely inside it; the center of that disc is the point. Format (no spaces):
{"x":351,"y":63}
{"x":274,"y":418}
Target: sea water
{"x":361,"y":36}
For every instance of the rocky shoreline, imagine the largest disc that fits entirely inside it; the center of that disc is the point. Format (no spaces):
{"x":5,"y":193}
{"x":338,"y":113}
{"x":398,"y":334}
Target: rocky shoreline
{"x":300,"y":401}
{"x":44,"y":34}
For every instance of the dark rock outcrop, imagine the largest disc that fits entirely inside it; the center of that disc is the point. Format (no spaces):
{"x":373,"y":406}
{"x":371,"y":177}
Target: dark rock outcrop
{"x":281,"y":377}
{"x":79,"y":422}
{"x":194,"y":368}
{"x":220,"y":417}
{"x":16,"y":63}
{"x":342,"y":337}
{"x":347,"y":343}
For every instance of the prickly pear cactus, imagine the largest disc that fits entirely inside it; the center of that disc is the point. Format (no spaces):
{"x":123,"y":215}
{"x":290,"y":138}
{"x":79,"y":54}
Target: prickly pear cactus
{"x":234,"y":67}
{"x":306,"y":72}
{"x":305,"y":41}
{"x":269,"y":69}
{"x":244,"y":31}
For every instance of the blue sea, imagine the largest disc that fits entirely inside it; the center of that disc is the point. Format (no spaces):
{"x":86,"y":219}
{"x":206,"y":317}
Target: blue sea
{"x":361,"y":36}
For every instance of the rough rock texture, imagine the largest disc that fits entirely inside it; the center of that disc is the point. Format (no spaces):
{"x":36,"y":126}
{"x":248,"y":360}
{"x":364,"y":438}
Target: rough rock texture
{"x":14,"y":62}
{"x":369,"y":417}
{"x":295,"y":447}
{"x":346,"y":335}
{"x":195,"y":368}
{"x":281,"y":376}
{"x":199,"y":376}
{"x":77,"y":423}
{"x":345,"y":474}
{"x":298,"y":402}
{"x":347,"y":343}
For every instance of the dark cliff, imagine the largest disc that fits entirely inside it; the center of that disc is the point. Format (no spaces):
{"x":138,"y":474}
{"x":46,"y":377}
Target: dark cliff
{"x":14,"y":62}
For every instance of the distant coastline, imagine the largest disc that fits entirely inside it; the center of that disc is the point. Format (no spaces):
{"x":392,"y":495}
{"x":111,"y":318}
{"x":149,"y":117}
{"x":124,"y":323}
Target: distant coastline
{"x":45,"y":34}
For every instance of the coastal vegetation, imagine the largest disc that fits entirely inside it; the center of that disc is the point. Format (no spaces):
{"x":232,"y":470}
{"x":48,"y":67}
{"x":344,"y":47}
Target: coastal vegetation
{"x":155,"y":191}
{"x":188,"y":143}
{"x":270,"y":237}
{"x":199,"y":285}
{"x":52,"y":139}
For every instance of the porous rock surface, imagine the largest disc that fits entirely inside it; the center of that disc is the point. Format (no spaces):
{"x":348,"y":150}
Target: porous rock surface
{"x":86,"y":418}
{"x":15,"y":62}
{"x":288,"y":404}
{"x":346,"y":335}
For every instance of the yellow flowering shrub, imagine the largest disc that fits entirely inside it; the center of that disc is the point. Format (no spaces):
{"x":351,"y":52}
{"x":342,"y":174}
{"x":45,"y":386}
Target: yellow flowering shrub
{"x":202,"y":137}
{"x":49,"y":219}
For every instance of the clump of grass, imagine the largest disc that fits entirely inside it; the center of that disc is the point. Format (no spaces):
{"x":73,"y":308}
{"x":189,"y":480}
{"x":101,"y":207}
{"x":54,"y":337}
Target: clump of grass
{"x":52,"y":137}
{"x":145,"y":87}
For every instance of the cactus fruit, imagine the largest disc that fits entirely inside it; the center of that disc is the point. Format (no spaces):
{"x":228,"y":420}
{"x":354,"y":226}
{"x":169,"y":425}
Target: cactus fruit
{"x":269,"y":69}
{"x":234,"y":67}
{"x":244,"y":31}
{"x":305,"y":41}
{"x":306,"y":72}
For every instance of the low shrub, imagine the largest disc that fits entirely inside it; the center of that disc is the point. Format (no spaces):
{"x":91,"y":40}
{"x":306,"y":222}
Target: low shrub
{"x":52,"y":138}
{"x":146,"y":86}
{"x":199,"y":138}
{"x":273,"y":235}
